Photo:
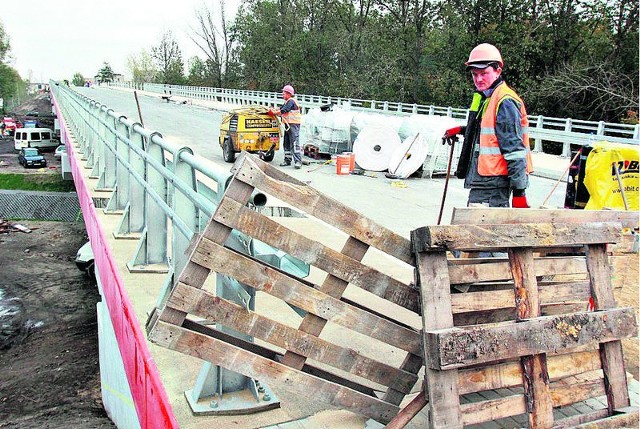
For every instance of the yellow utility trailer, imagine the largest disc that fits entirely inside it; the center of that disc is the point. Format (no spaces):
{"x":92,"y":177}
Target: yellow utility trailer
{"x":251,"y":129}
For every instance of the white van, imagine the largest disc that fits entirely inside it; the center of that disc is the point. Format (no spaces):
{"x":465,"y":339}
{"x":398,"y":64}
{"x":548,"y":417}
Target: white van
{"x":41,"y":138}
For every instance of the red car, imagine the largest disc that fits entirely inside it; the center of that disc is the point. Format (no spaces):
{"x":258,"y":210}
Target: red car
{"x":9,"y":126}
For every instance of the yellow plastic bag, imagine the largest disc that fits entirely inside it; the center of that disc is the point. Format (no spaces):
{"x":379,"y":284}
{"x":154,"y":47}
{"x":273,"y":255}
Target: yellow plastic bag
{"x":601,"y":179}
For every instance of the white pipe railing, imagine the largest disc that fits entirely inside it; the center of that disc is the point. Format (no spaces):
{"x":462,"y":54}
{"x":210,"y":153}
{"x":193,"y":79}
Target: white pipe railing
{"x":562,"y":130}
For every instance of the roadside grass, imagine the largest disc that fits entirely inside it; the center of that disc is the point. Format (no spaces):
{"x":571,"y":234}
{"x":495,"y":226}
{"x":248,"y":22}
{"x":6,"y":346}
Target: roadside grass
{"x":35,"y":182}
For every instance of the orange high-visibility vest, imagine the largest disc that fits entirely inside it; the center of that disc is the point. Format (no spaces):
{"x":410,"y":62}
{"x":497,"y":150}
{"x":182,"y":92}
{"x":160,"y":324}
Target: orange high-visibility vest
{"x":491,"y":162}
{"x":293,"y":116}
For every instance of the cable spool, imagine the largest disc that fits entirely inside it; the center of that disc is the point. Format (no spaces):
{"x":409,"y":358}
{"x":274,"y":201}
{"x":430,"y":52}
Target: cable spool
{"x":374,"y":146}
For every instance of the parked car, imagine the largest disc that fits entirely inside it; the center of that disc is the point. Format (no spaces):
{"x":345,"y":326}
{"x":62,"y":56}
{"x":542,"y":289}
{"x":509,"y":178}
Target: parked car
{"x":60,"y":150}
{"x":31,"y":157}
{"x":85,"y":260}
{"x":9,"y":126}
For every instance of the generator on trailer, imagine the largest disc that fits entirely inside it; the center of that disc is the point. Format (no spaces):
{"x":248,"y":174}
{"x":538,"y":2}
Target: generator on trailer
{"x":251,"y":129}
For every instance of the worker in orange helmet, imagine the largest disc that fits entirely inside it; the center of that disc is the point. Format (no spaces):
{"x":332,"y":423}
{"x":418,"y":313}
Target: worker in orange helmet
{"x":292,"y":118}
{"x":495,"y":160}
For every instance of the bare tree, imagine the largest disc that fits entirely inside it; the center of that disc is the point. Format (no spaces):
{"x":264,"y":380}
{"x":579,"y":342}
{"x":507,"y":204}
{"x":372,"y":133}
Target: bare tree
{"x":595,"y":92}
{"x":214,"y":39}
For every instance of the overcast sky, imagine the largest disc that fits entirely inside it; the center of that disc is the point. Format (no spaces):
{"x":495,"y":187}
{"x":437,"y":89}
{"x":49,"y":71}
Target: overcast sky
{"x":54,"y":39}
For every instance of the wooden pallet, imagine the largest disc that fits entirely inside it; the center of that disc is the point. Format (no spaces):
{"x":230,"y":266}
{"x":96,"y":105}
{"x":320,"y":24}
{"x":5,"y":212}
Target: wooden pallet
{"x":520,"y":323}
{"x":312,"y":364}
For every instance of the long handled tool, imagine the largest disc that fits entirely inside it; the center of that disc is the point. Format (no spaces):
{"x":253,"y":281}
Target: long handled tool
{"x":561,"y":176}
{"x":446,"y":181}
{"x":624,"y":197}
{"x":135,"y":94}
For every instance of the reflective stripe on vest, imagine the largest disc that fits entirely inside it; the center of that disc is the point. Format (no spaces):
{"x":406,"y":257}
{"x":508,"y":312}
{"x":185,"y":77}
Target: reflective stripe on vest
{"x":491,"y":162}
{"x":293,"y":116}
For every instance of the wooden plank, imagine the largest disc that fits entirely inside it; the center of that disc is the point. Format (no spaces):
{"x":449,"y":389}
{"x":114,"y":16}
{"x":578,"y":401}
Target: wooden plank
{"x":481,"y":215}
{"x":615,"y":375}
{"x":250,"y":365}
{"x":464,"y":346}
{"x":304,"y":197}
{"x":194,"y":274}
{"x":509,"y":374}
{"x":569,"y":293}
{"x":441,"y":386}
{"x":493,"y":409}
{"x":272,"y":354}
{"x":492,"y":237}
{"x":478,"y":412}
{"x":534,"y":367}
{"x":248,"y":221}
{"x":491,"y":272}
{"x":411,"y":364}
{"x":206,"y":305}
{"x":264,"y":278}
{"x":334,"y":287}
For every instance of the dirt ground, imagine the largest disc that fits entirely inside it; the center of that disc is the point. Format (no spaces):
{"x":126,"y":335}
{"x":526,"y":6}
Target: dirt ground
{"x":50,"y":374}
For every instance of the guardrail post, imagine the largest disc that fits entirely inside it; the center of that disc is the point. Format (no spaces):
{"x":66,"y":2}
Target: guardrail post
{"x":538,"y":143}
{"x":600,"y":131}
{"x":449,"y":112}
{"x":414,"y":110}
{"x":385,"y":106}
{"x":120,"y":196}
{"x":566,"y":146}
{"x":133,"y":220}
{"x":184,"y":208}
{"x":636,"y":132}
{"x":107,"y":179}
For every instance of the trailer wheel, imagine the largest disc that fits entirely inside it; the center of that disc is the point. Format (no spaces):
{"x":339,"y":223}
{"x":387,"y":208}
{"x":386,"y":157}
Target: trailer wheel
{"x":227,"y":150}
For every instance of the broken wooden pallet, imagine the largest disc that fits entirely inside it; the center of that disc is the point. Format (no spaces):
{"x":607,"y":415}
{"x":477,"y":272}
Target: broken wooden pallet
{"x":313,"y":364}
{"x":510,"y":329}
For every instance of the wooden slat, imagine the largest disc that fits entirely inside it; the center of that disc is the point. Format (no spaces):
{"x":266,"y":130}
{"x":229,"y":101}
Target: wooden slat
{"x":610,"y":352}
{"x":270,"y":180}
{"x":411,"y":364}
{"x":203,"y":304}
{"x":492,"y":237}
{"x":572,"y":292}
{"x":482,"y":411}
{"x":491,"y":272}
{"x":236,"y":216}
{"x":464,"y":346}
{"x":534,"y":367}
{"x":509,"y":374}
{"x":481,"y":215}
{"x":289,"y":289}
{"x":332,"y":286}
{"x":441,"y":387}
{"x":268,"y":371}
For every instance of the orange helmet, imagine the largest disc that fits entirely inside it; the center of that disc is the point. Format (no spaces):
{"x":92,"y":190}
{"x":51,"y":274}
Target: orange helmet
{"x":483,"y":55}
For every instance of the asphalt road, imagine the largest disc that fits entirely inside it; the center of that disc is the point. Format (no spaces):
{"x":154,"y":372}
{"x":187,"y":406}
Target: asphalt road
{"x":399,"y":205}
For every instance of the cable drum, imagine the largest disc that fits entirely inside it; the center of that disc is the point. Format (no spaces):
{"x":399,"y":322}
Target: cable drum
{"x":374,"y":146}
{"x":409,"y":156}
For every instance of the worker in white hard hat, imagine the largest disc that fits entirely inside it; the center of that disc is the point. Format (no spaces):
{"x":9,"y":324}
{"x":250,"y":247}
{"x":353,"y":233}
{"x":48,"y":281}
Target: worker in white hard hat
{"x":292,"y":118}
{"x":495,"y":160}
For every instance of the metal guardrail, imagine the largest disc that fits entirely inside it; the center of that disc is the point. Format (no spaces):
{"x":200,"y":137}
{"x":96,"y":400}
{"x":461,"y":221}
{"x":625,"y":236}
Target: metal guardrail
{"x":562,"y":130}
{"x":157,"y":186}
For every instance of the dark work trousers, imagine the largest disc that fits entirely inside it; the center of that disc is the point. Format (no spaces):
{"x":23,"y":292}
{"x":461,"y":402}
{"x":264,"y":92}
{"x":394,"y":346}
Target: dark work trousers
{"x":291,"y":144}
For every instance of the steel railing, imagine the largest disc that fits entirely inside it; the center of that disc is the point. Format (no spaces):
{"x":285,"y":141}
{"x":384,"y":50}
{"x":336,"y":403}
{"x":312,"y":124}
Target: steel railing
{"x":561,"y":130}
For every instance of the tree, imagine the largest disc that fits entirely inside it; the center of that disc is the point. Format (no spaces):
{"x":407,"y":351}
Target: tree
{"x":215,"y":40}
{"x":105,"y":74}
{"x":78,"y":80}
{"x":142,"y":68}
{"x":168,"y":58}
{"x":12,"y":86}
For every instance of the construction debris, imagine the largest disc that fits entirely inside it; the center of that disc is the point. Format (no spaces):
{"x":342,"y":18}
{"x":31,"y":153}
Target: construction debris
{"x":7,"y":227}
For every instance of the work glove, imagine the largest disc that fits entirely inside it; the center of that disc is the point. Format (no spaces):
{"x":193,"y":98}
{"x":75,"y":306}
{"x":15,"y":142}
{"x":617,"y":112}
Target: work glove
{"x":451,"y":135}
{"x":519,"y":199}
{"x":271,"y":113}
